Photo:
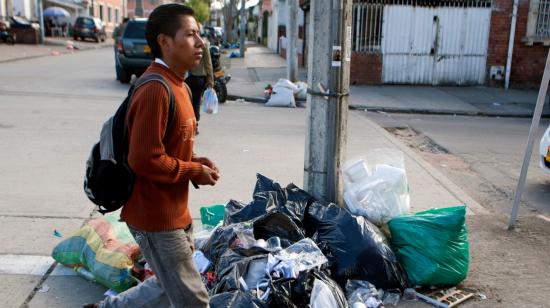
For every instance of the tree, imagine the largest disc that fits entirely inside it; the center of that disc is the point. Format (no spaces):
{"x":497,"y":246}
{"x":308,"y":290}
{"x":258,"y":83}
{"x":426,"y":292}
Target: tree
{"x":230,"y":12}
{"x":201,"y":8}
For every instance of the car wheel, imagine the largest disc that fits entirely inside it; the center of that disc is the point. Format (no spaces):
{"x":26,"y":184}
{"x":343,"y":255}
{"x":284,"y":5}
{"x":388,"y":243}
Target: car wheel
{"x":75,"y":38}
{"x":122,"y":75}
{"x":96,"y":39}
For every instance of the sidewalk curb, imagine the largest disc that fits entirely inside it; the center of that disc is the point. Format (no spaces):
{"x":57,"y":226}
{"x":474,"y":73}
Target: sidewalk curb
{"x":64,"y":52}
{"x":299,"y":102}
{"x":408,"y":110}
{"x":443,"y":112}
{"x":246,"y":98}
{"x":451,"y":187}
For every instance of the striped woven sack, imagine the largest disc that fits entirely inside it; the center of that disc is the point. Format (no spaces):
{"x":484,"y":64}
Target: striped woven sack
{"x":106,"y":248}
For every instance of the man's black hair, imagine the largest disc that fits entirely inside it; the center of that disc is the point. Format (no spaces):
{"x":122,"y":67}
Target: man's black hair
{"x":164,"y":19}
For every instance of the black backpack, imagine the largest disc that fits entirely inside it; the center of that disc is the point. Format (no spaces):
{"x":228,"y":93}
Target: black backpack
{"x":109,"y":181}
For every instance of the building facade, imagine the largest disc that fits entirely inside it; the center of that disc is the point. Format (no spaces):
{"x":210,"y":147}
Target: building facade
{"x":460,"y":42}
{"x":273,"y":18}
{"x":111,"y":12}
{"x":143,"y":8}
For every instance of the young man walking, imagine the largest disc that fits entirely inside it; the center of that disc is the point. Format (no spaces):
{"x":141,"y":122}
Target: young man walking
{"x":157,"y":212}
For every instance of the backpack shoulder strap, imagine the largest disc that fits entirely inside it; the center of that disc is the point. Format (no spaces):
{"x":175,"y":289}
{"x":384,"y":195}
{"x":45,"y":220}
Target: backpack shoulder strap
{"x":171,"y":105}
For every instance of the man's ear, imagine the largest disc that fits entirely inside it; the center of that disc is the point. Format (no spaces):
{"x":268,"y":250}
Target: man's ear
{"x":164,"y":41}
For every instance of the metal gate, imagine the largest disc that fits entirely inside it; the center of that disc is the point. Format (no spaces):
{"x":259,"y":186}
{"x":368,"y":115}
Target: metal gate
{"x":426,"y":41}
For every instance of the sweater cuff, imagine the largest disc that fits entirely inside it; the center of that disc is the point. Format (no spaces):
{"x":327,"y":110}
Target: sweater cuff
{"x":195,"y":169}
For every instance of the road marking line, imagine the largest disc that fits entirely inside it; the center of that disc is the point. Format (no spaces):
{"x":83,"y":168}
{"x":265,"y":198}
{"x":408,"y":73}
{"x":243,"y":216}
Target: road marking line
{"x":31,"y":265}
{"x":25,"y":265}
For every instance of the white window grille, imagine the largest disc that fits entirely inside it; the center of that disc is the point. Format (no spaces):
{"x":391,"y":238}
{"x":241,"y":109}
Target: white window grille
{"x":368,"y":18}
{"x":367,"y":26}
{"x":543,"y":19}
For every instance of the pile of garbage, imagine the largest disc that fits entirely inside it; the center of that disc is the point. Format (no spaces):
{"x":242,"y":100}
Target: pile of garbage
{"x":285,"y":248}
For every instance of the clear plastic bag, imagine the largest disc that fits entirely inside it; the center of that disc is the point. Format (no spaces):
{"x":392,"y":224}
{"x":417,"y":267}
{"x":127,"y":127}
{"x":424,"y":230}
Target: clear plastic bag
{"x":209,"y":101}
{"x":321,"y":296}
{"x":363,"y":292}
{"x":376,"y":186}
{"x":301,"y":256}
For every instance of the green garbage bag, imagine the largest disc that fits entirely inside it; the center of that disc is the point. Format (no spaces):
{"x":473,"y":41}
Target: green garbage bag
{"x":432,"y":246}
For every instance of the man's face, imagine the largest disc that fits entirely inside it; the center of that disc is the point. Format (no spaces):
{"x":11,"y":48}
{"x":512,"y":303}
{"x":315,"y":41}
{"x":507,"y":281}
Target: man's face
{"x":185,"y":48}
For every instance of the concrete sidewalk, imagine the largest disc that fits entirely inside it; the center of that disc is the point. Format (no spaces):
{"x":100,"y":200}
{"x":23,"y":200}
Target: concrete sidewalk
{"x":51,"y":47}
{"x":261,"y":67}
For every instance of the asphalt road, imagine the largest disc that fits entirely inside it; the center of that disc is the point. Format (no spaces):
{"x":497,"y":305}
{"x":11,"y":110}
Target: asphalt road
{"x":488,"y":154}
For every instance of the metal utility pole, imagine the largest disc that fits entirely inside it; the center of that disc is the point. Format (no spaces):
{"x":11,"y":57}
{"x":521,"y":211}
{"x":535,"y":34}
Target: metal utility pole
{"x":291,"y":37}
{"x":327,"y":101}
{"x":41,"y":21}
{"x":511,"y":44}
{"x":530,"y":140}
{"x":243,"y":28}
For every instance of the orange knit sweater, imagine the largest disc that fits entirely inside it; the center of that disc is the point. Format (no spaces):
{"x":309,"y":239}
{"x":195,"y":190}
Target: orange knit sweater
{"x":159,"y":201}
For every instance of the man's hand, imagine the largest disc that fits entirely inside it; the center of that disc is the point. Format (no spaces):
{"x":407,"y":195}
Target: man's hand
{"x":208,"y":176}
{"x":207,"y":162}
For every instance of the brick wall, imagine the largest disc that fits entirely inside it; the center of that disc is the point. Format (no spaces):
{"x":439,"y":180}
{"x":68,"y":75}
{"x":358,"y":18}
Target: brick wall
{"x":365,"y":68}
{"x":527,"y":61}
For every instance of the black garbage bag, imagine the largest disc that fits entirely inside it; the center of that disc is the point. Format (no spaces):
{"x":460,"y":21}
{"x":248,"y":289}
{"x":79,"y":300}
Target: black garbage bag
{"x":264,"y":183}
{"x":263,"y":203}
{"x":292,"y":200}
{"x":269,"y":197}
{"x":227,"y":260}
{"x":251,"y":269}
{"x":221,"y":239}
{"x":356,"y":248}
{"x":296,"y":293}
{"x":297,"y":201}
{"x":280,"y":225}
{"x":235,"y":299}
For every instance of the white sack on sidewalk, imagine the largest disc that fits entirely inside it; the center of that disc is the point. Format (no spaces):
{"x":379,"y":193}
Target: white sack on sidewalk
{"x":283,"y":94}
{"x":301,"y":94}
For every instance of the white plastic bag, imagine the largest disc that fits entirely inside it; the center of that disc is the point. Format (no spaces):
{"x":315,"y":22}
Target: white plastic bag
{"x":301,"y":94}
{"x":209,"y":101}
{"x":376,"y":186}
{"x":282,"y":94}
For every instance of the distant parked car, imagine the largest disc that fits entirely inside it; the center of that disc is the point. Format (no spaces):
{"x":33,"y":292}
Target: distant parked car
{"x":545,"y":151}
{"x":89,"y":27}
{"x":132,"y":54}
